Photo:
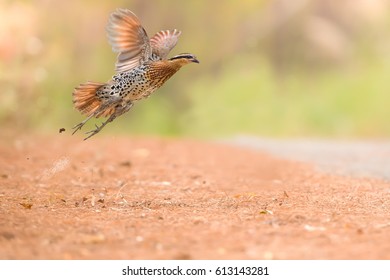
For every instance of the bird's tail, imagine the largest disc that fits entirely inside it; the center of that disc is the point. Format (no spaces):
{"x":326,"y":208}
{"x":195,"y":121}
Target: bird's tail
{"x":87,"y":102}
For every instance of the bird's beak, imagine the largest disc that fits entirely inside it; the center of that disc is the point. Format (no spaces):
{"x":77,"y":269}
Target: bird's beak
{"x":195,"y":60}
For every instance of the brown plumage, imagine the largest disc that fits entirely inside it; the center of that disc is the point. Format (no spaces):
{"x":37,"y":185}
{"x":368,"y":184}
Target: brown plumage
{"x":141,"y":68}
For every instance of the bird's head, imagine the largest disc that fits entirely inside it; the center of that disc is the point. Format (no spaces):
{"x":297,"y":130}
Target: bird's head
{"x":183,"y":59}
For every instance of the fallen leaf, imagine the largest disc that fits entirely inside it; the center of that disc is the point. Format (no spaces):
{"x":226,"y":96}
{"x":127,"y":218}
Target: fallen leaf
{"x":266,"y":212}
{"x":26,"y":205}
{"x":126,"y":163}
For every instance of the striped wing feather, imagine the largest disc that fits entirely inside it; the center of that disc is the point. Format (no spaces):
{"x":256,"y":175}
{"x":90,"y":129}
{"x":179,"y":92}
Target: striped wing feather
{"x":164,"y":41}
{"x":128,"y":38}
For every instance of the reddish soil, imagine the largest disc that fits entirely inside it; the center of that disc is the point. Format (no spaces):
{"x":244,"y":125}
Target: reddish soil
{"x":143,"y":198}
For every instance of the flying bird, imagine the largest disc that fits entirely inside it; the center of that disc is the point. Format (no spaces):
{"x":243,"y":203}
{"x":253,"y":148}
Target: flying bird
{"x":141,"y":68}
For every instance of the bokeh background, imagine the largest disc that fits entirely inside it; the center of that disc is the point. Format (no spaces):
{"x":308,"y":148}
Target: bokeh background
{"x":278,"y":68}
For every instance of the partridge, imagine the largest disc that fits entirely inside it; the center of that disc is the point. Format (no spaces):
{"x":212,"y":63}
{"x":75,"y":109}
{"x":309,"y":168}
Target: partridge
{"x":141,"y":68}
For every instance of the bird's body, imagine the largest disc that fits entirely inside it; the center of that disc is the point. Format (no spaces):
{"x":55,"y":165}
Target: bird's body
{"x":141,"y":69}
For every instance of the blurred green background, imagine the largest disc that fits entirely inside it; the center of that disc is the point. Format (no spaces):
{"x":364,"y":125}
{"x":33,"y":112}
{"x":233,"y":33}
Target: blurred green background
{"x":279,"y":68}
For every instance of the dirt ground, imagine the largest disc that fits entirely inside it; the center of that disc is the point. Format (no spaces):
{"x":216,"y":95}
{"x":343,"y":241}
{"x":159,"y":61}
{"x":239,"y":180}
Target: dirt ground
{"x":144,"y":198}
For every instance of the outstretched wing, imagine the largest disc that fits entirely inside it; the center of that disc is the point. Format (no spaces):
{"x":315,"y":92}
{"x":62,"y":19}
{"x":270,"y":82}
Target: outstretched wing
{"x":128,"y":38}
{"x":164,"y":41}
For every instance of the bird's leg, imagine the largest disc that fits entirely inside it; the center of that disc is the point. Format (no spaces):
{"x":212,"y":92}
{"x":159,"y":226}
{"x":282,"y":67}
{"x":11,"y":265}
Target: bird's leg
{"x":98,"y":128}
{"x":119,"y":110}
{"x":102,"y":108}
{"x":80,"y":125}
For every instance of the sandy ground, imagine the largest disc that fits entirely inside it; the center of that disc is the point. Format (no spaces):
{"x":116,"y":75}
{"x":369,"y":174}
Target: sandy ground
{"x":145,"y":198}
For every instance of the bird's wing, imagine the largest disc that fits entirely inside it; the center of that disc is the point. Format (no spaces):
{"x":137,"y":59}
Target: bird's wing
{"x":164,"y":41}
{"x":128,"y":38}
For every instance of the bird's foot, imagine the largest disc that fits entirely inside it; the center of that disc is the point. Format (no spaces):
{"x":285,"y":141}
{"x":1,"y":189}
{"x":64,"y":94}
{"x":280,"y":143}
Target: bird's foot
{"x":95,"y":131}
{"x":77,"y":127}
{"x":80,"y":125}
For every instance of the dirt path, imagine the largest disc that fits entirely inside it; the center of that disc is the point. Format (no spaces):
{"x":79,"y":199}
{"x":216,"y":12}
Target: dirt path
{"x":354,"y":158}
{"x":137,"y":198}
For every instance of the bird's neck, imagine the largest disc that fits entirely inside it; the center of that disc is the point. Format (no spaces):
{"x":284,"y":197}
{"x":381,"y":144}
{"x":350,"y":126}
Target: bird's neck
{"x":166,"y":68}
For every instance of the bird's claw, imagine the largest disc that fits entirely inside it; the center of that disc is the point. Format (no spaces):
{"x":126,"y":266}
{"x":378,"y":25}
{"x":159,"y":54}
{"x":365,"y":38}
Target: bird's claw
{"x":77,"y":127}
{"x":95,"y":131}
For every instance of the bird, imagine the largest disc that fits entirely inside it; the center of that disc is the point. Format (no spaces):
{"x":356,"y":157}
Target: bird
{"x":141,"y":68}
